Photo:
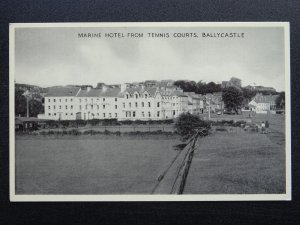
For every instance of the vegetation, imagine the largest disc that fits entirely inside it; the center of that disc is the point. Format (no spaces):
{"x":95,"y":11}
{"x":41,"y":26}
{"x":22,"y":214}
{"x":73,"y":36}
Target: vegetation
{"x":199,"y":88}
{"x":280,"y":101}
{"x":187,"y":124}
{"x":233,"y":98}
{"x":35,"y":101}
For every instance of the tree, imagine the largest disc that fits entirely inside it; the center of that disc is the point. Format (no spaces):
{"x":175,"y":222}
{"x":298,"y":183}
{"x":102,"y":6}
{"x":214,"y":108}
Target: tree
{"x":233,"y":98}
{"x":20,"y":103}
{"x":35,"y":108}
{"x":186,"y":124}
{"x":280,"y":100}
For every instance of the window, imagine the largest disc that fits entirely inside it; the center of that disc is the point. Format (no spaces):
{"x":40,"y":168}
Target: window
{"x":97,"y":114}
{"x":136,"y":96}
{"x":146,"y":96}
{"x":116,"y":115}
{"x":158,"y":104}
{"x":149,"y":104}
{"x":149,"y":114}
{"x":66,"y":114}
{"x":143,"y":104}
{"x":143,"y":114}
{"x":109,"y":114}
{"x":71,"y":99}
{"x":104,"y":99}
{"x":129,"y":104}
{"x":54,"y":114}
{"x":60,"y":107}
{"x":136,"y":104}
{"x":92,"y":107}
{"x":173,"y":112}
{"x":54,"y":107}
{"x":80,"y":100}
{"x":103,"y":106}
{"x":54,"y":100}
{"x":49,"y":100}
{"x":123,"y":105}
{"x":157,"y":113}
{"x":71,"y":114}
{"x":116,"y":106}
{"x":129,"y":114}
{"x":80,"y":107}
{"x":60,"y":100}
{"x":104,"y":115}
{"x":98,"y":107}
{"x":66,"y":100}
{"x":71,"y":107}
{"x":49,"y":107}
{"x":116,"y":99}
{"x":127,"y":96}
{"x":133,"y":114}
{"x":66,"y":107}
{"x":86,"y":107}
{"x":86,"y":100}
{"x":49,"y":114}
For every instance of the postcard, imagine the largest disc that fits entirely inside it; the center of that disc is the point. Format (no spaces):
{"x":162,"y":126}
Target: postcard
{"x":150,"y":111}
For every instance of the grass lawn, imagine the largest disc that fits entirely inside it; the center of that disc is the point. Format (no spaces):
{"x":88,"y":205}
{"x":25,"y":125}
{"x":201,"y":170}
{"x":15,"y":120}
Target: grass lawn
{"x":223,"y":163}
{"x":237,"y":163}
{"x":91,"y":164}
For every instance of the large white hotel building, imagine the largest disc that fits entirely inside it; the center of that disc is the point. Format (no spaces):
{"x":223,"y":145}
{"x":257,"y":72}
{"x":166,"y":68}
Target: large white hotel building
{"x":142,"y":101}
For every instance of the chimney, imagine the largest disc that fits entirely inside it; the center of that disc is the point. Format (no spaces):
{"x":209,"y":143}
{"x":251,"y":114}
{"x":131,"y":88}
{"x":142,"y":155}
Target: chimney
{"x":123,"y":87}
{"x":104,"y":88}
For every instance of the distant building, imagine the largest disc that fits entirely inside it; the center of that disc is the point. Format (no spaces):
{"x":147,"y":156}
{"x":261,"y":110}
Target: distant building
{"x":233,"y":82}
{"x":263,"y":104}
{"x":261,"y":89}
{"x":195,"y":103}
{"x":214,"y":101}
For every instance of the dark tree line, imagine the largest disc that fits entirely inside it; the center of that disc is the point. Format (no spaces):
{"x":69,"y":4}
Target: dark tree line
{"x":35,"y":106}
{"x":199,"y":88}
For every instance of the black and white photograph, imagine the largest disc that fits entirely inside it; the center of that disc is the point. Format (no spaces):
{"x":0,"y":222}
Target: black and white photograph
{"x":150,"y":111}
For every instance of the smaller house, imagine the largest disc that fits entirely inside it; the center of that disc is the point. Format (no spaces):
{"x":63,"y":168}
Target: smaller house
{"x":263,"y":104}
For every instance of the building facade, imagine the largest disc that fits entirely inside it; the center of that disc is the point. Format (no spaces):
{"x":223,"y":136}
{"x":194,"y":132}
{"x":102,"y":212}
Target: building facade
{"x":121,"y":102}
{"x":263,"y":104}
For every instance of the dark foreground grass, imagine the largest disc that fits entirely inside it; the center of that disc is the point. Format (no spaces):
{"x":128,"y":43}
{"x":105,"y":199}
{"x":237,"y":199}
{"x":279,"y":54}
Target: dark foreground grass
{"x":237,"y":163}
{"x":91,"y":164}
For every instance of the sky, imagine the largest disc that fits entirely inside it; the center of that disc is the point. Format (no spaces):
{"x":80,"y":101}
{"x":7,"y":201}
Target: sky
{"x":57,"y":56}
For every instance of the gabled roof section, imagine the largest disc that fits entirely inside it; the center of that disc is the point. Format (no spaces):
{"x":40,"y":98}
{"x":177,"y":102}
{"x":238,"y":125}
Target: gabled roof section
{"x":109,"y":92}
{"x":68,"y":91}
{"x":259,"y":98}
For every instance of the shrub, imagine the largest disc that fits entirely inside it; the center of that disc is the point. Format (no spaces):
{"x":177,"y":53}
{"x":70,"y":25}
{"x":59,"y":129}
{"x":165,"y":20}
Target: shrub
{"x":187,"y":124}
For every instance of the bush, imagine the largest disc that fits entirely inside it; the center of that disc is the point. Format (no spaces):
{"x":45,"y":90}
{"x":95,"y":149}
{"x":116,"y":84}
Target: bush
{"x":187,"y":124}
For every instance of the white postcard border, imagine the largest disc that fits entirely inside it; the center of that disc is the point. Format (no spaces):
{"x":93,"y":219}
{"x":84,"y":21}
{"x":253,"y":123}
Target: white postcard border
{"x":186,"y":197}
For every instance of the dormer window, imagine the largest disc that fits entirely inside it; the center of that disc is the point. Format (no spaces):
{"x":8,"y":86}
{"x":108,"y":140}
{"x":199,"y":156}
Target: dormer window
{"x":127,"y":96}
{"x":146,"y":96}
{"x":136,"y":96}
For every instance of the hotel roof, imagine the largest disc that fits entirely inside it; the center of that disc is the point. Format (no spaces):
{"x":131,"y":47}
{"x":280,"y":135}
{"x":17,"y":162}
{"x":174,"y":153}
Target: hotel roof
{"x":62,"y":91}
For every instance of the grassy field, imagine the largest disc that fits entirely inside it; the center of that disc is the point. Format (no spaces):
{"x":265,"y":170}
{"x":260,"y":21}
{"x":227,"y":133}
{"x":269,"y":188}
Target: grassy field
{"x":91,"y":164}
{"x":237,"y":162}
{"x":240,"y":163}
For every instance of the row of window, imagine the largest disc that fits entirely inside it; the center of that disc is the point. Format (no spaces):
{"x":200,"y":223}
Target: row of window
{"x":71,"y":114}
{"x":142,"y":104}
{"x":133,"y":114}
{"x":103,"y":106}
{"x":60,"y":100}
{"x":136,"y":96}
{"x":80,"y":100}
